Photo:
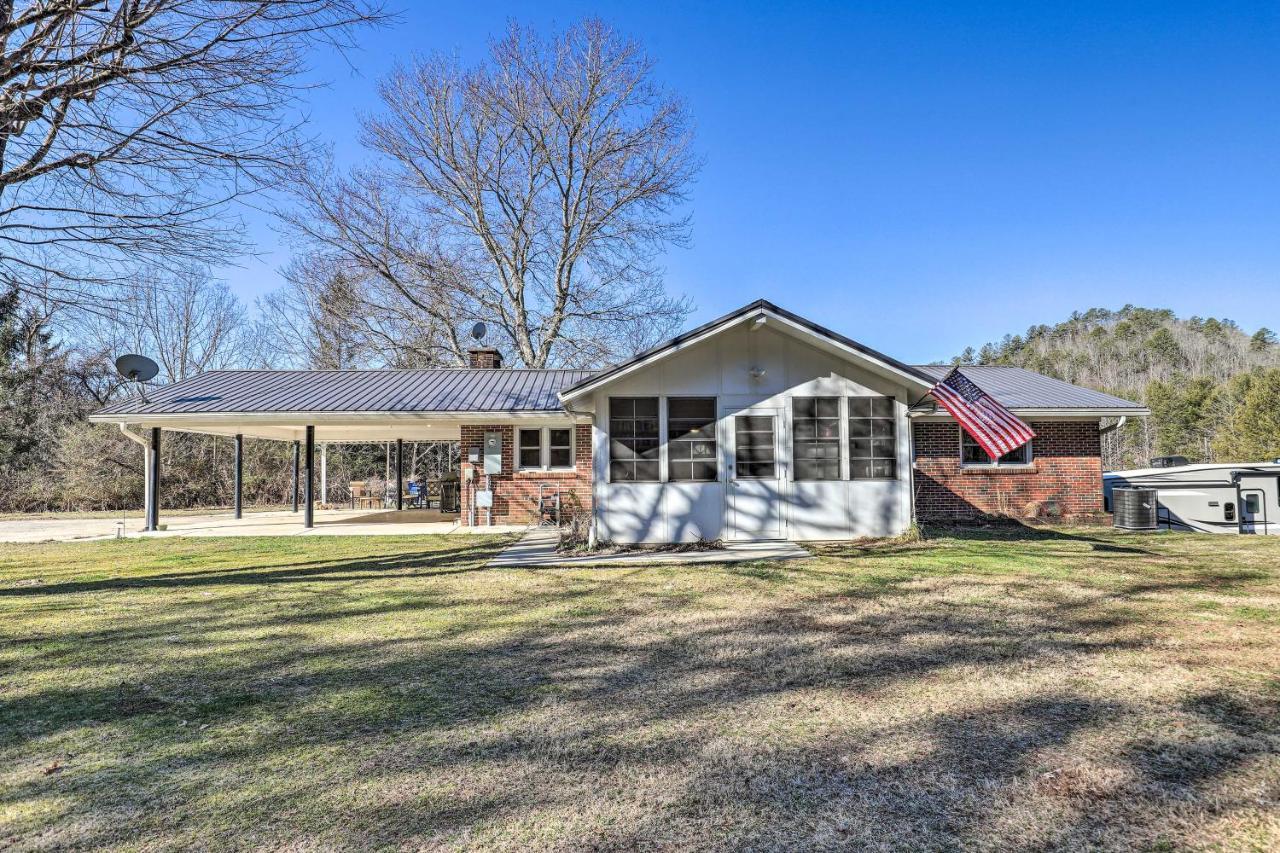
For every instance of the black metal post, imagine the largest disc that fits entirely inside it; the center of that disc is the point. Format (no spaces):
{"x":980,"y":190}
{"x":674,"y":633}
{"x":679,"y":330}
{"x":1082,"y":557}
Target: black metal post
{"x":295,"y":476}
{"x":309,"y":505}
{"x":239,"y":501}
{"x":399,"y":473}
{"x":153,"y":475}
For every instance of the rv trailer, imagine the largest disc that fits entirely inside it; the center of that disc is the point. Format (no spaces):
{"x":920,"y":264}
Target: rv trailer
{"x":1211,"y":498}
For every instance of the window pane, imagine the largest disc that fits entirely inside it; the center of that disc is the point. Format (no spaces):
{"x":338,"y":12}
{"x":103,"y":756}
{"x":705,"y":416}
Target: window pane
{"x":881,"y":407}
{"x":560,"y":457}
{"x":691,"y":438}
{"x":754,"y":446}
{"x":633,"y":435}
{"x":872,"y":438}
{"x":816,"y":437}
{"x":530,"y":438}
{"x":558,"y":438}
{"x":1018,"y":456}
{"x":647,"y":472}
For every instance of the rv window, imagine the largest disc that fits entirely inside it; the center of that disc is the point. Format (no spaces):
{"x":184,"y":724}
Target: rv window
{"x":1252,"y":505}
{"x":1229,"y":511}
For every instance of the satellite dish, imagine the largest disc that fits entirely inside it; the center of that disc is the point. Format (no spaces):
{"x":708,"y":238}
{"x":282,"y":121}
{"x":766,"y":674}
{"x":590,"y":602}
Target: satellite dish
{"x":478,"y":331}
{"x":136,"y":368}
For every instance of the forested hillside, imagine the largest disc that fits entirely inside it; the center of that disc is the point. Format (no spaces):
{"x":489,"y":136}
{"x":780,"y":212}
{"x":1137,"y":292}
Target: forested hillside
{"x":1213,"y":388}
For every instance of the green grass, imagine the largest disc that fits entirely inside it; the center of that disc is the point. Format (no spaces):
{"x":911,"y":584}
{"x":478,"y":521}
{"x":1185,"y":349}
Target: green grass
{"x":992,"y":689}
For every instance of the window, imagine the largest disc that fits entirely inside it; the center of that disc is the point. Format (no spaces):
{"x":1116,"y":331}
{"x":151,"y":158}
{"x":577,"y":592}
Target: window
{"x":1252,"y":505}
{"x":873,"y":450}
{"x":557,"y":442}
{"x":971,"y":453}
{"x":691,"y":439}
{"x":816,"y":443}
{"x":559,"y":448}
{"x":633,"y":439}
{"x":753,"y":441}
{"x":530,"y":448}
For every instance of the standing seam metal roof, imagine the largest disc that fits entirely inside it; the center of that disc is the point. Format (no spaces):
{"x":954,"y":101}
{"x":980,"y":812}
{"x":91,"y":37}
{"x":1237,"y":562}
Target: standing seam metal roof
{"x":1019,"y":388}
{"x":430,"y":390}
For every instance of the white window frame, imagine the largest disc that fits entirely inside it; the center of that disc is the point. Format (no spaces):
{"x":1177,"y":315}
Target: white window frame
{"x":995,"y":463}
{"x":544,"y":448}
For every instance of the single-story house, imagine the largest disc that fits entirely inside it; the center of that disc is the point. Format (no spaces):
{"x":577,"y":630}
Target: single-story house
{"x":760,"y":424}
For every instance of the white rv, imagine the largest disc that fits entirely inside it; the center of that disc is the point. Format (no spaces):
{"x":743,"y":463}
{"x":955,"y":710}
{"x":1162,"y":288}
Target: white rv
{"x":1243,"y":497}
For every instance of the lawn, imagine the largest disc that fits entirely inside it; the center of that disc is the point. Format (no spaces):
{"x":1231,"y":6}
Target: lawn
{"x":988,"y":689}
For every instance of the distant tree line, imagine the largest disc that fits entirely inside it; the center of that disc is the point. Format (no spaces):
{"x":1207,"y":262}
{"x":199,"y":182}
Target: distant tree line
{"x":1212,"y":387}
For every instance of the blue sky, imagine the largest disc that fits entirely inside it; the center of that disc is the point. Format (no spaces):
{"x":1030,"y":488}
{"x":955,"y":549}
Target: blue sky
{"x":926,"y":176}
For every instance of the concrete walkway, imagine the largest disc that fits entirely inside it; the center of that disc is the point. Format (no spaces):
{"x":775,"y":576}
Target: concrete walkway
{"x":327,"y":523}
{"x":538,"y":550}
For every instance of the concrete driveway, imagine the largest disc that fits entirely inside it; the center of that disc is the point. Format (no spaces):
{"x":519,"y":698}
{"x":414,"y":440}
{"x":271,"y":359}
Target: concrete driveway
{"x":327,"y":523}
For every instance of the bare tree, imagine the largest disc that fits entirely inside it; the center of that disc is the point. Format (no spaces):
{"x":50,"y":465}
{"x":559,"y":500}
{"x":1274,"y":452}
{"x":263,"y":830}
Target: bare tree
{"x":125,"y":127}
{"x":535,"y":192}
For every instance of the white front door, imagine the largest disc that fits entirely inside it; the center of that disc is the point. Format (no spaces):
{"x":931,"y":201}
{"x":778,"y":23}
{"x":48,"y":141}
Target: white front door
{"x":754,"y":507}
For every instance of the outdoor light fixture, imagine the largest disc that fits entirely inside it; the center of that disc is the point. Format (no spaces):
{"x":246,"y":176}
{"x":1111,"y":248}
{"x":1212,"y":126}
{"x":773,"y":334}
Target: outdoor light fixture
{"x":757,"y":372}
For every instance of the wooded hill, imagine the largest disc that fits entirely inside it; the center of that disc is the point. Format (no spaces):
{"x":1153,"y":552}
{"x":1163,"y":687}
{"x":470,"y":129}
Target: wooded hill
{"x":1212,"y":387}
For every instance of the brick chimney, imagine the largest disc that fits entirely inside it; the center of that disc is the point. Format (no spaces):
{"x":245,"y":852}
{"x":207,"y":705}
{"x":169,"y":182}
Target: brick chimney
{"x":484,"y":359}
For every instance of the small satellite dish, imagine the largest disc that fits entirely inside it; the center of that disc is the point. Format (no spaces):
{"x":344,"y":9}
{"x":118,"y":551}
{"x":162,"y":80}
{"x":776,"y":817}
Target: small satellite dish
{"x":136,"y":368}
{"x":479,"y":330}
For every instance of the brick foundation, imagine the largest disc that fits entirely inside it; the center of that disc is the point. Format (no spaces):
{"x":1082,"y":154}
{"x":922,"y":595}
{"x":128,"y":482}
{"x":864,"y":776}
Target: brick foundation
{"x":1064,"y":479}
{"x":515,"y":493}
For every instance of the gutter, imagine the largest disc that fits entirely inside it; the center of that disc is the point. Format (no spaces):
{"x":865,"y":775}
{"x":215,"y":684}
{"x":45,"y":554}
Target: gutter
{"x":1113,"y":427}
{"x":146,"y":461}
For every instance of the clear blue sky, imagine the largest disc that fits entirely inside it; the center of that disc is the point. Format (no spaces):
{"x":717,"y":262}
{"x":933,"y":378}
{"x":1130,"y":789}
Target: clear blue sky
{"x":926,"y":176}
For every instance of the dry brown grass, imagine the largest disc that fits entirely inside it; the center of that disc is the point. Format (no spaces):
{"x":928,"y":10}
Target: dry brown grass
{"x":989,"y":690}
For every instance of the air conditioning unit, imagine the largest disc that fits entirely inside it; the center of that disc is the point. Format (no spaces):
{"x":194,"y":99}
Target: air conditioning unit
{"x":1135,"y":509}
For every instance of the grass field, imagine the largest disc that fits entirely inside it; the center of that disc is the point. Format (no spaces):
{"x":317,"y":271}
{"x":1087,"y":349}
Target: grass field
{"x":990,"y":689}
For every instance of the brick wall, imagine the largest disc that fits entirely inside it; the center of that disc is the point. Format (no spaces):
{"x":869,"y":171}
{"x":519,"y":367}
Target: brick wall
{"x":1065,"y":477}
{"x":515,"y":493}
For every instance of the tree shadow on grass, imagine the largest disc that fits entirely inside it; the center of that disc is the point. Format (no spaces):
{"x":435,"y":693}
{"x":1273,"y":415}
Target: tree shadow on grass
{"x":445,"y":561}
{"x":649,"y":727}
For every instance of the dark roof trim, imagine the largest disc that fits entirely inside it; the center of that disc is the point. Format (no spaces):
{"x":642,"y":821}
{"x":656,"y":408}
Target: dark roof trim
{"x":760,"y":306}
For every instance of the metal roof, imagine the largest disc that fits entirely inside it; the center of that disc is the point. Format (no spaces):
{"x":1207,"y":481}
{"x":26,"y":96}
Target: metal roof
{"x":1018,"y":388}
{"x":457,"y":390}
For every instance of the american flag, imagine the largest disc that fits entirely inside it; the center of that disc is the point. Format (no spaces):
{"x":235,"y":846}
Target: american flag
{"x":997,"y":429}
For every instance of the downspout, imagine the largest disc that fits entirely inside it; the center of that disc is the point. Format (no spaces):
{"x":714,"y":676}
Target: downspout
{"x":1115,"y":426}
{"x":592,"y":536}
{"x":146,"y":463}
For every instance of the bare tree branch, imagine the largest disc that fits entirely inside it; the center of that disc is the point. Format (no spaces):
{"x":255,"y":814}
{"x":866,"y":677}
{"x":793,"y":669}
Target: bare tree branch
{"x":126,"y":127}
{"x":535,"y":192}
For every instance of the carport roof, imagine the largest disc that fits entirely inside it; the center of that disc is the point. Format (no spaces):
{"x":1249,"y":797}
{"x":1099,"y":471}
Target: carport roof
{"x":427,"y":391}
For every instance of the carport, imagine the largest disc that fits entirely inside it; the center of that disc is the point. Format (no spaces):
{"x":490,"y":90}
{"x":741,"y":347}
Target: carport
{"x":312,"y":407}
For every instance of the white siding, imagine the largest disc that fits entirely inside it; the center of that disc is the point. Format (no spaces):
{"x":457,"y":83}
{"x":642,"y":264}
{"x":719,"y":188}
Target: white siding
{"x":721,"y":367}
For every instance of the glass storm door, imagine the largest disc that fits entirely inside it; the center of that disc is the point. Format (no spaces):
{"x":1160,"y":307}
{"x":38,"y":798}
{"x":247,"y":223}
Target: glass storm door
{"x":755,"y":476}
